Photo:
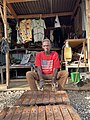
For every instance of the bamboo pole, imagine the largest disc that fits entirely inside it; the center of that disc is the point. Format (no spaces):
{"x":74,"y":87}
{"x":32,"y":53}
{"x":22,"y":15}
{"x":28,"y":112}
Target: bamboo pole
{"x":6,"y":37}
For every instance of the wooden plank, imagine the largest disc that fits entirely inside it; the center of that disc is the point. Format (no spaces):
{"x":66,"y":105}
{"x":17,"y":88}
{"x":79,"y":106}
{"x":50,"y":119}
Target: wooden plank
{"x":3,"y":113}
{"x":20,"y":100}
{"x":25,"y":113}
{"x":10,"y":113}
{"x":46,"y":97}
{"x":15,"y":1}
{"x":12,"y":10}
{"x":65,"y":113}
{"x":57,"y":113}
{"x":17,"y":114}
{"x":34,"y":113}
{"x":52,"y":97}
{"x":43,"y":97}
{"x":39,"y":97}
{"x":34,"y":98}
{"x":49,"y":113}
{"x":58,"y":97}
{"x":65,"y":98}
{"x":41,"y":113}
{"x":45,"y":15}
{"x":75,"y":42}
{"x":73,"y":113}
{"x":27,"y":98}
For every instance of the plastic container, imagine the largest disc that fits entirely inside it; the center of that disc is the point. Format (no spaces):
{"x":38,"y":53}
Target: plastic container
{"x":75,"y":77}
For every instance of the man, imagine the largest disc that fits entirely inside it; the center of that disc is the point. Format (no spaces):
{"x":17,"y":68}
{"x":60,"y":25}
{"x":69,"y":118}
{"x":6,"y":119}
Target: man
{"x":47,"y":64}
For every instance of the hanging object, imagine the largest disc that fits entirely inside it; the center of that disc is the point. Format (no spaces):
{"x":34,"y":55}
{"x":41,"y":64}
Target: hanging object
{"x":67,"y":52}
{"x":19,"y":41}
{"x":4,"y":46}
{"x":57,"y":23}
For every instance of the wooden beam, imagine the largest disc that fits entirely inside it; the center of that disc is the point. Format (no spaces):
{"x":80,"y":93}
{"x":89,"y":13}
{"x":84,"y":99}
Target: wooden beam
{"x":15,"y":1}
{"x":40,"y":15}
{"x":89,"y":14}
{"x":45,"y":15}
{"x":12,"y":11}
{"x":9,"y":16}
{"x":6,"y":37}
{"x":2,"y":16}
{"x":75,"y":9}
{"x":88,"y":30}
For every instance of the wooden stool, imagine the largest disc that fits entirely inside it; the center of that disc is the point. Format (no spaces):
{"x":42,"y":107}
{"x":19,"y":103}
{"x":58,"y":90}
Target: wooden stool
{"x":48,"y":85}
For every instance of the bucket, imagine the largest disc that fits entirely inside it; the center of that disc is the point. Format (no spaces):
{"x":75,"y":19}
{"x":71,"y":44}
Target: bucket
{"x":75,"y":77}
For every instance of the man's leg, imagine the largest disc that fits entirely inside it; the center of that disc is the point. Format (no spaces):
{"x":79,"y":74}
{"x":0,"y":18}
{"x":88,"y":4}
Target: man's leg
{"x":31,"y":76}
{"x":62,"y":78}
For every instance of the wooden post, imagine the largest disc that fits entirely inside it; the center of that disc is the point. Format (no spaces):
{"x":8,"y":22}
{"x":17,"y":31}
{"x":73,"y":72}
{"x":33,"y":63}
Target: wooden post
{"x":6,"y":37}
{"x":84,"y":51}
{"x":88,"y":30}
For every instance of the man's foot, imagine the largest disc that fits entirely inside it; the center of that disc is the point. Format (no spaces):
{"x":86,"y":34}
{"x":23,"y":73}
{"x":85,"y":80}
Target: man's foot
{"x":54,"y":86}
{"x":60,"y":88}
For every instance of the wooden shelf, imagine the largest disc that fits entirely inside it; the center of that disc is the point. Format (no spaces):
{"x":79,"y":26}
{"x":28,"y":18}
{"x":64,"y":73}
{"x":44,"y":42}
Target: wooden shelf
{"x":32,"y":49}
{"x":75,"y":42}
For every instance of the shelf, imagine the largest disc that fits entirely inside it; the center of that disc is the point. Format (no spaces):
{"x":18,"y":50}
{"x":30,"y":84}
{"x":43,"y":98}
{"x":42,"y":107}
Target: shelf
{"x":76,"y":65}
{"x":75,"y":42}
{"x":32,"y":49}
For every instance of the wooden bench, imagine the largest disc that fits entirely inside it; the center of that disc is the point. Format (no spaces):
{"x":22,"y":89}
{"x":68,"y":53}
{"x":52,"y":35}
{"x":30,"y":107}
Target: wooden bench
{"x":48,"y":112}
{"x":43,"y":98}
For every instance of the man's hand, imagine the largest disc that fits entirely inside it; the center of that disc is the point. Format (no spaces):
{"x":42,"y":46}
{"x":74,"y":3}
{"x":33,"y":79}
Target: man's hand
{"x":41,"y":83}
{"x":54,"y":84}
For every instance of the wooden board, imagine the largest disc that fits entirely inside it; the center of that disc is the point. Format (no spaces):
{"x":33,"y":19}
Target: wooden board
{"x":43,"y":97}
{"x":48,"y":112}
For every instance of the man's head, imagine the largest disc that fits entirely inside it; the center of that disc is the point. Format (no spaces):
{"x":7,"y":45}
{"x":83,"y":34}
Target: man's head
{"x":46,"y":45}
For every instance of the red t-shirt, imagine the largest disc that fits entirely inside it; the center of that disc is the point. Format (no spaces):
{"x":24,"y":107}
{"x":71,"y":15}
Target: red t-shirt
{"x":47,"y":62}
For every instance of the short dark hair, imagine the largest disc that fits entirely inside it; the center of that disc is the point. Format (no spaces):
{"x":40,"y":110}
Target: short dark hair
{"x":44,"y":40}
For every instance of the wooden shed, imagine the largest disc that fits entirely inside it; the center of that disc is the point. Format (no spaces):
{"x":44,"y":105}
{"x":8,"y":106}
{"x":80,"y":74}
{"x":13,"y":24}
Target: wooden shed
{"x":73,"y":16}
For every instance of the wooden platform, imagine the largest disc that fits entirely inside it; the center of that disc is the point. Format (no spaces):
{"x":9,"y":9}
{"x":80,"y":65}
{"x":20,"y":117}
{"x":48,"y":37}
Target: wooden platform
{"x":43,"y":98}
{"x":41,"y":105}
{"x":48,"y":112}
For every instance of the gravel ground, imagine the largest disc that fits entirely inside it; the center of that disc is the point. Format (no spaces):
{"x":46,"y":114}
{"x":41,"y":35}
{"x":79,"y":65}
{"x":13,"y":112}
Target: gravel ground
{"x":79,"y":100}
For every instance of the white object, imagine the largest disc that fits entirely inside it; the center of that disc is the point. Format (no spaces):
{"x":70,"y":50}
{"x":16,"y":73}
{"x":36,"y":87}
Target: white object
{"x":57,"y":22}
{"x":25,"y":59}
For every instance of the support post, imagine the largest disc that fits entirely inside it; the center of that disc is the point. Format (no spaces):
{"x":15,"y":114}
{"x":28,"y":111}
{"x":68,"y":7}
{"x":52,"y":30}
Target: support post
{"x":6,"y":37}
{"x":88,"y":30}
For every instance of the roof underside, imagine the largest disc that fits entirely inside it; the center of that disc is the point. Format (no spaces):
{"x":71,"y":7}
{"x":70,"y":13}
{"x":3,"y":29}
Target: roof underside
{"x":48,"y":9}
{"x":43,"y":6}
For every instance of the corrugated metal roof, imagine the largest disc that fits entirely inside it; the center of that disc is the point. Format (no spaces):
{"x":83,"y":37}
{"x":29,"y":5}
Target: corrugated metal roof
{"x":43,"y":6}
{"x":46,"y":7}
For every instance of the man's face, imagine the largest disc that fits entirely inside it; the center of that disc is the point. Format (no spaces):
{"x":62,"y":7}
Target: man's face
{"x":46,"y":46}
